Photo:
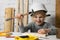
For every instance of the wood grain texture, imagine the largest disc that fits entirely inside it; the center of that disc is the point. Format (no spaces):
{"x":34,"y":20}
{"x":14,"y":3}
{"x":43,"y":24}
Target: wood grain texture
{"x":9,"y":25}
{"x":58,"y":18}
{"x":26,"y":4}
{"x":58,"y":13}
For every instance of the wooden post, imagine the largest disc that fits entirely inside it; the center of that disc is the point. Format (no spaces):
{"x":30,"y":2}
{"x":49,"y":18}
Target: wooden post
{"x":26,"y":5}
{"x":9,"y":25}
{"x":58,"y":18}
{"x":20,"y":10}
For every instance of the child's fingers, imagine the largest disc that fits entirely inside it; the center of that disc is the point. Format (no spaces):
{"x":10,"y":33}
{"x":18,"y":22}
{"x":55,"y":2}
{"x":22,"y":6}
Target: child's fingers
{"x":19,"y":16}
{"x":41,"y":31}
{"x":47,"y":30}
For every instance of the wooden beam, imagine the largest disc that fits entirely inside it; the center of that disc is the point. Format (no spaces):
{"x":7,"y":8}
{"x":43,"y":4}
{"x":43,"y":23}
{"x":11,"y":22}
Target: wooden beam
{"x":22,"y":9}
{"x":26,"y":5}
{"x":9,"y":25}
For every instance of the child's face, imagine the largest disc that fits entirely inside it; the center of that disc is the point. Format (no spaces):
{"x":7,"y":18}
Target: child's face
{"x":39,"y":19}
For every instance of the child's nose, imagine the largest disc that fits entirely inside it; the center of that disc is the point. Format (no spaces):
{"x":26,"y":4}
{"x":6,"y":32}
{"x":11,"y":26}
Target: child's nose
{"x":38,"y":19}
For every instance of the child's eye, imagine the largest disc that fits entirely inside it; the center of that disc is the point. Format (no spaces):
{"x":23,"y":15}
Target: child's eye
{"x":38,"y":17}
{"x":35,"y":17}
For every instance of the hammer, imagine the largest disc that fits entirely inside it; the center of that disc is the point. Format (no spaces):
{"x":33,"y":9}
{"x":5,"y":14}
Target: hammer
{"x":23,"y":15}
{"x":14,"y":17}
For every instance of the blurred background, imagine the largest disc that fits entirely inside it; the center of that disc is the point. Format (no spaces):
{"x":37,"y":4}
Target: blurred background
{"x":50,"y":5}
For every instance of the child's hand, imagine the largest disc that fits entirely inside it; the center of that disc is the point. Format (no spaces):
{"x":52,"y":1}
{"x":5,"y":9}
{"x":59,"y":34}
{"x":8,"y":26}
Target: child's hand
{"x":19,"y":16}
{"x":43,"y":31}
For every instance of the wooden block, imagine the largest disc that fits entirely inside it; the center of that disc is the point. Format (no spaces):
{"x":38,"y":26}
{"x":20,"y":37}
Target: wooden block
{"x":9,"y":25}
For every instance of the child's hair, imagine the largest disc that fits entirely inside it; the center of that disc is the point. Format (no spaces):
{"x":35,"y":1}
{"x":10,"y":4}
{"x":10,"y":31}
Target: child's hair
{"x":39,"y":12}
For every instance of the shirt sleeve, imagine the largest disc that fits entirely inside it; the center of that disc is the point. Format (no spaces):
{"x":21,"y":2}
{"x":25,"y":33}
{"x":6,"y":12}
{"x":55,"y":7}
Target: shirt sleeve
{"x":24,"y":28}
{"x":52,"y":30}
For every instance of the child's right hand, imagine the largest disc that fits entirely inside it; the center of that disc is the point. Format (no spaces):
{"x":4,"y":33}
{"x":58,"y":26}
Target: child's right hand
{"x":43,"y":31}
{"x":19,"y":16}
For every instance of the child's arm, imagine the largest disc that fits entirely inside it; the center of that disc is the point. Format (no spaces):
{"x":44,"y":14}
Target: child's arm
{"x":52,"y":30}
{"x":23,"y":28}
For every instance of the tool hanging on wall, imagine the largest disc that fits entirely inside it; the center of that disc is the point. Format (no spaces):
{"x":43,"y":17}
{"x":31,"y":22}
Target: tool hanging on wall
{"x":22,"y":15}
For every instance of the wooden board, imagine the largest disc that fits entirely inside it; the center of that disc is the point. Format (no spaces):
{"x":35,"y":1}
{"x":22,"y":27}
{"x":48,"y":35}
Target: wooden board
{"x":22,"y":9}
{"x":9,"y":25}
{"x":26,"y":4}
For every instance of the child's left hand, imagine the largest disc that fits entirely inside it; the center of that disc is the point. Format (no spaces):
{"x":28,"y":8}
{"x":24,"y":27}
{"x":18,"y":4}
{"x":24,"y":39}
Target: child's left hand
{"x":43,"y":31}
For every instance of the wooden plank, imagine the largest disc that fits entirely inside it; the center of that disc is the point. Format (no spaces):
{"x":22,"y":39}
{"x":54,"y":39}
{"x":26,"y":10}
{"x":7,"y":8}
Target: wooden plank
{"x":13,"y":14}
{"x":8,"y":25}
{"x":20,"y":10}
{"x":26,"y":5}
